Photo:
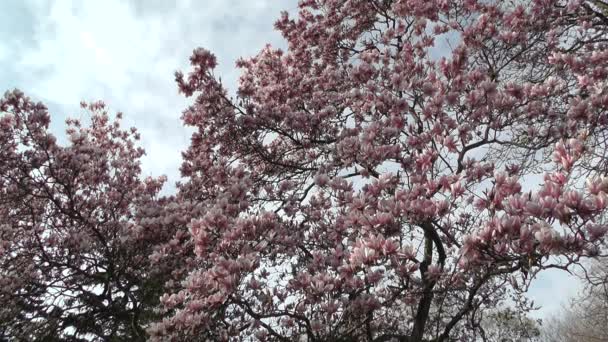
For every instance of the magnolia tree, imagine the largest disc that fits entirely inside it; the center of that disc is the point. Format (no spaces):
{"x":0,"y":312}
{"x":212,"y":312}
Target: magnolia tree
{"x":76,"y":227}
{"x":402,"y":167}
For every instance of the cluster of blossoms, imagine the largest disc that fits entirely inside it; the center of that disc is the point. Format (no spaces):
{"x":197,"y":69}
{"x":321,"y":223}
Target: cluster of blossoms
{"x":76,"y":228}
{"x":367,"y":185}
{"x":371,"y":183}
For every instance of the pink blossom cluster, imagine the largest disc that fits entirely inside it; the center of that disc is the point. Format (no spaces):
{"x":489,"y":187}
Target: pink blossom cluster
{"x":366,"y":184}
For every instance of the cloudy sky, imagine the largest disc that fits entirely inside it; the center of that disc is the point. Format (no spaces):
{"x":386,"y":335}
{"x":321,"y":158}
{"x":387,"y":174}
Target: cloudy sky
{"x":125,"y":53}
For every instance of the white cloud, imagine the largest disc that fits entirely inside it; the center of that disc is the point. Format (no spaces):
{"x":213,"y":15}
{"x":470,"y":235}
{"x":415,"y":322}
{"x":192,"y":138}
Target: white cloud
{"x":552,"y":290}
{"x":125,"y":53}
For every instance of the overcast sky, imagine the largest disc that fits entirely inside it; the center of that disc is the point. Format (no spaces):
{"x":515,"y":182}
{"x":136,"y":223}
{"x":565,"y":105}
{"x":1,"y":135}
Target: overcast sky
{"x":125,"y":53}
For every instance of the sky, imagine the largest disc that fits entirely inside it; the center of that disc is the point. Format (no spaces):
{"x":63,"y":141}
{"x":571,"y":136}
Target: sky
{"x":126,"y":52}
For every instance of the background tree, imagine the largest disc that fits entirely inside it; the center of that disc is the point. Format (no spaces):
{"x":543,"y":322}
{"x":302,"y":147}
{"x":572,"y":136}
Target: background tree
{"x":585,"y":318}
{"x":509,"y":325}
{"x":75,"y":229}
{"x":363,"y":186}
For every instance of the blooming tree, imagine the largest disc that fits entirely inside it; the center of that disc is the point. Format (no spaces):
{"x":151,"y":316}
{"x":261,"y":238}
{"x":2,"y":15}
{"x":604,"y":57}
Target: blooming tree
{"x":402,"y":167}
{"x":76,"y":227}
